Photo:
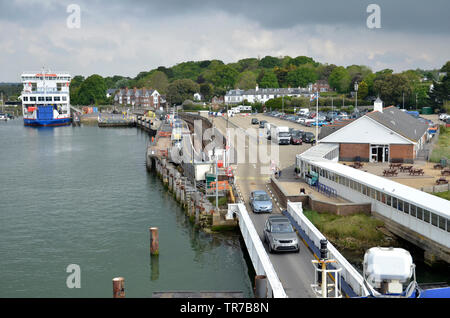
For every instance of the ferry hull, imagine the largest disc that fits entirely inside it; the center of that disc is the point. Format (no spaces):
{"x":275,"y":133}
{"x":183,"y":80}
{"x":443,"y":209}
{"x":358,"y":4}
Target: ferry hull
{"x":47,"y":122}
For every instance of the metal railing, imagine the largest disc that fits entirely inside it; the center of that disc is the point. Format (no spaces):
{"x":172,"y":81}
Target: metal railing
{"x":260,"y":260}
{"x":348,"y":273}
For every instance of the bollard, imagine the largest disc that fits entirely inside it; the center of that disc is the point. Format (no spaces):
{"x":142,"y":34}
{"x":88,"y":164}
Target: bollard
{"x":154,"y":267}
{"x":260,"y":286}
{"x":118,"y":287}
{"x":323,"y":257}
{"x":154,"y":241}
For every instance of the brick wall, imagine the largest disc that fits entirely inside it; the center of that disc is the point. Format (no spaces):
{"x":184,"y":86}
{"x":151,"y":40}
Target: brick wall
{"x":405,"y":152}
{"x":309,"y":202}
{"x":348,"y":152}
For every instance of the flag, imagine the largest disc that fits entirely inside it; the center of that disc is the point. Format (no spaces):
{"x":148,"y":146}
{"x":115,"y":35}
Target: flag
{"x":314,"y":96}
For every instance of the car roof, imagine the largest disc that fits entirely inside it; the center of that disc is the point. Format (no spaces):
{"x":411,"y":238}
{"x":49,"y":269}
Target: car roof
{"x":278,"y":219}
{"x":259,"y":192}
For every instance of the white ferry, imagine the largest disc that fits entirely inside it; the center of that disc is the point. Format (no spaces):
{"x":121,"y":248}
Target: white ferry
{"x":45,"y":99}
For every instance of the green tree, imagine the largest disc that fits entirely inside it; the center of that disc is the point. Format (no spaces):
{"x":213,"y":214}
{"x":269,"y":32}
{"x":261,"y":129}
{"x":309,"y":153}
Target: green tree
{"x":446,"y":68}
{"x":268,"y":79}
{"x":180,"y":90}
{"x":302,"y":76}
{"x":440,"y":94}
{"x":269,"y":62}
{"x":246,"y":80}
{"x":340,"y":79}
{"x":363,"y":90}
{"x":92,"y":91}
{"x":156,"y":80}
{"x":392,"y":87}
{"x":75,"y":84}
{"x":206,"y":90}
{"x":301,"y":60}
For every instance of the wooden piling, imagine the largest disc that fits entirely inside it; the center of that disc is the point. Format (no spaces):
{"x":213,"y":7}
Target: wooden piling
{"x":118,"y":287}
{"x":154,"y":241}
{"x":260,"y":286}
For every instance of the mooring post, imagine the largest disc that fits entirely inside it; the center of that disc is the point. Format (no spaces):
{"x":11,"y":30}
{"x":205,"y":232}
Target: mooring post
{"x":260,"y":286}
{"x":118,"y":287}
{"x":154,"y":241}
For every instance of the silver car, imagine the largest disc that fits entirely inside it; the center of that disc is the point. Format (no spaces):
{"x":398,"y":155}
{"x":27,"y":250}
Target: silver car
{"x":260,"y":202}
{"x":279,"y":235}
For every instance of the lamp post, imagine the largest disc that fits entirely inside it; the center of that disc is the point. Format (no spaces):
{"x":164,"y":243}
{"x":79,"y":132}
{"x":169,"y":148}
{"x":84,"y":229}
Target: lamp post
{"x":356,"y":101}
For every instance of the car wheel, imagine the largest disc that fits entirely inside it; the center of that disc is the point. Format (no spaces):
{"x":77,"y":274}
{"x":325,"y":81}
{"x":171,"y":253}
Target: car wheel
{"x":270,"y":248}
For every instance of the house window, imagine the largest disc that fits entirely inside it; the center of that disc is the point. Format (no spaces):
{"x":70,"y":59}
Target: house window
{"x":394,"y":202}
{"x":25,"y":99}
{"x":388,"y":200}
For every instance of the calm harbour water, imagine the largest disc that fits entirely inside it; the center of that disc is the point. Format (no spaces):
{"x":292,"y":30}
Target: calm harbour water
{"x":81,"y":195}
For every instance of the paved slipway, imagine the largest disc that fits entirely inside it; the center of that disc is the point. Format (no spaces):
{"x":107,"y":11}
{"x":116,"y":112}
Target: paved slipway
{"x":294,"y":270}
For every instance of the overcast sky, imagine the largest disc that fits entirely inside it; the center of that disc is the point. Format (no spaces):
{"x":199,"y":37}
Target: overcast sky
{"x":126,"y":37}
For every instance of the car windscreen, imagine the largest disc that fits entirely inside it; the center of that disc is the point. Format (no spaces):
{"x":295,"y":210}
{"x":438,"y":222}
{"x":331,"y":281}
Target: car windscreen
{"x":261,"y":197}
{"x":282,"y":228}
{"x":309,"y":134}
{"x":284,"y":134}
{"x":297,"y":134}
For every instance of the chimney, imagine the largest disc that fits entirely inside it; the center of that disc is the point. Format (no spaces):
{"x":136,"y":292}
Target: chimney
{"x":378,"y":105}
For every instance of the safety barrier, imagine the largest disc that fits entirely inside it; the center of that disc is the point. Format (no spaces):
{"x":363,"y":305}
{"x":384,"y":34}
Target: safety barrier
{"x":322,"y":188}
{"x":260,"y":259}
{"x":349,"y":275}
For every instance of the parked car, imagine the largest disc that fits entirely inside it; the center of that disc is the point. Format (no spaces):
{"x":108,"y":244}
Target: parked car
{"x":280,"y":235}
{"x":443,"y":116}
{"x":262,"y":123}
{"x":319,"y":123}
{"x":260,"y":201}
{"x":255,"y":121}
{"x":308,"y":137}
{"x":296,"y":137}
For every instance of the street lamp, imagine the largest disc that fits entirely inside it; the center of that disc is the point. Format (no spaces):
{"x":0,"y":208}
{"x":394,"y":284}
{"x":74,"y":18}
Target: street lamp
{"x":356,"y":90}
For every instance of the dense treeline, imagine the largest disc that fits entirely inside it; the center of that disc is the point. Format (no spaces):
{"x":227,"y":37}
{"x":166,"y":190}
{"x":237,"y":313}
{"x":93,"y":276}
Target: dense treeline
{"x":213,"y":77}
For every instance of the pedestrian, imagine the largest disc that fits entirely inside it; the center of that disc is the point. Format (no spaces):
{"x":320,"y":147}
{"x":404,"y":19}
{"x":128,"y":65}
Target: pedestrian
{"x":279,"y":173}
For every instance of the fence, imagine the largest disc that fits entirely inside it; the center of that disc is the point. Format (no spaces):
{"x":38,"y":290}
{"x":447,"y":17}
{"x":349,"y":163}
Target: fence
{"x":350,"y":277}
{"x":255,"y":248}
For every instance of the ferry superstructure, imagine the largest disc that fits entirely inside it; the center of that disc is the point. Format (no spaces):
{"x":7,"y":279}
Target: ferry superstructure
{"x":46,"y":99}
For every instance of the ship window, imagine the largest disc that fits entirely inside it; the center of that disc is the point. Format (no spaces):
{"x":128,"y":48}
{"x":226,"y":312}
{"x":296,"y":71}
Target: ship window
{"x":25,"y":99}
{"x":32,"y":98}
{"x":64,"y":98}
{"x":56,"y":98}
{"x":434,"y":219}
{"x":406,"y":208}
{"x":426,"y":216}
{"x":413,"y":210}
{"x":394,"y":202}
{"x":48,"y":98}
{"x":442,"y":223}
{"x":41,"y":98}
{"x":400,"y":205}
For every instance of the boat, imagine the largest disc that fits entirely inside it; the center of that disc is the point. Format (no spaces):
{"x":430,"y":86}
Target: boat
{"x":4,"y":117}
{"x":46,"y":99}
{"x":390,"y":273}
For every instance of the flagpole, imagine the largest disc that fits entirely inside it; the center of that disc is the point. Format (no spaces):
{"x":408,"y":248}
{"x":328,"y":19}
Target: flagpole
{"x":317,"y":117}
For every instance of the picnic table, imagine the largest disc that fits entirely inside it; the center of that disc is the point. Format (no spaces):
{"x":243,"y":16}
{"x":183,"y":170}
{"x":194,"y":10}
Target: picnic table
{"x":406,"y":168}
{"x":358,"y":164}
{"x":395,"y":165}
{"x":445,"y":172}
{"x":441,"y":180}
{"x":416,"y":172}
{"x":438,"y":166}
{"x":390,"y":172}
